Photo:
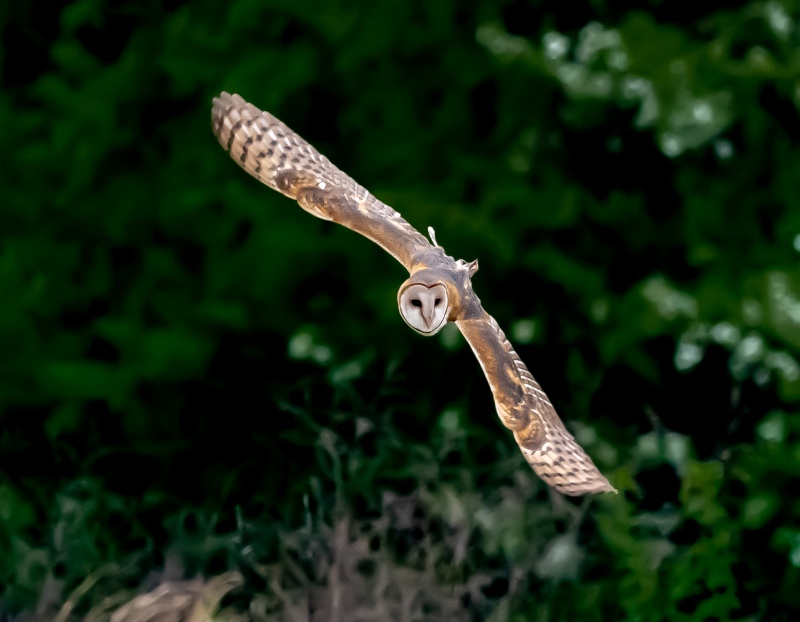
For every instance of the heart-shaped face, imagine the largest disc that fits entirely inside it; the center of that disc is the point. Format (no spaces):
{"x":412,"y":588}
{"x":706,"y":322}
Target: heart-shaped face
{"x":424,"y":308}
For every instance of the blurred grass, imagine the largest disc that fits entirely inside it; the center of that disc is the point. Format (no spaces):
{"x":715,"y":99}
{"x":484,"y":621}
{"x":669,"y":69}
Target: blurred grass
{"x":192,"y":369}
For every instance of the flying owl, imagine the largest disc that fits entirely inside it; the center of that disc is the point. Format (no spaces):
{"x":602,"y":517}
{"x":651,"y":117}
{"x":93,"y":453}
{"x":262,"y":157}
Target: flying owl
{"x":438,"y":291}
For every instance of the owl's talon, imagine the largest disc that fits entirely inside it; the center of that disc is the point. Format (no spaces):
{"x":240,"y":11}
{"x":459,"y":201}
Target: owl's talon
{"x":432,"y":235}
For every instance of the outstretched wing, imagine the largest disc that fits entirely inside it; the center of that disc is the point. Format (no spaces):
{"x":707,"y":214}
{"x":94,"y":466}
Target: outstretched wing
{"x":524,"y":408}
{"x":272,"y":153}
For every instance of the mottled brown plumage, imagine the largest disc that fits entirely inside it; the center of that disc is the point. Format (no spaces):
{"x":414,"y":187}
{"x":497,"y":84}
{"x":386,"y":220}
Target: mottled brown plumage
{"x":272,"y":153}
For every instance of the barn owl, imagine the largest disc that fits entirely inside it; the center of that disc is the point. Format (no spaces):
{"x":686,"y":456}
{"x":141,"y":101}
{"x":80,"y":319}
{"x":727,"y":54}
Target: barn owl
{"x":438,"y":291}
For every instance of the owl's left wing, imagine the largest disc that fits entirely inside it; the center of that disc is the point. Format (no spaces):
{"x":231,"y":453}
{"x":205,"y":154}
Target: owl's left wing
{"x":272,"y":153}
{"x":524,"y":408}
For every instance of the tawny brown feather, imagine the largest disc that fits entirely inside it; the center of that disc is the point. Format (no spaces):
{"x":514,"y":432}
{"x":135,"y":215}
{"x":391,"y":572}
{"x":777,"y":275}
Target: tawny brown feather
{"x":525,"y":410}
{"x":273,"y":154}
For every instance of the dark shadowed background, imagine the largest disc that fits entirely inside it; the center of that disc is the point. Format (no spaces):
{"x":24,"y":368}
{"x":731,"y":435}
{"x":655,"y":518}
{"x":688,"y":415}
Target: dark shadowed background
{"x":194,"y":372}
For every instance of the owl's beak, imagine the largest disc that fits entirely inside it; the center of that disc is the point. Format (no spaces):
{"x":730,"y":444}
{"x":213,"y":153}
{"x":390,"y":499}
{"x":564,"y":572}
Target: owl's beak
{"x":428,"y":316}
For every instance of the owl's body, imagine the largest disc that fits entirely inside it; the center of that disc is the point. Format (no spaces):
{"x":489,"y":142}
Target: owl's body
{"x":439,"y":288}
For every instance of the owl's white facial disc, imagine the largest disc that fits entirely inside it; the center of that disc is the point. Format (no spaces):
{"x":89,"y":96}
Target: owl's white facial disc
{"x":424,"y":308}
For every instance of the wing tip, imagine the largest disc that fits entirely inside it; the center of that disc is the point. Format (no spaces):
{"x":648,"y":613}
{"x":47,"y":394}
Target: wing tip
{"x":225,"y":98}
{"x":577,"y":489}
{"x":222,"y":107}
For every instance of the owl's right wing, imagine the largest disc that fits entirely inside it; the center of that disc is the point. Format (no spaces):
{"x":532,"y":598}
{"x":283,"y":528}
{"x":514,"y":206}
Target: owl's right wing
{"x":524,"y":408}
{"x":272,"y":153}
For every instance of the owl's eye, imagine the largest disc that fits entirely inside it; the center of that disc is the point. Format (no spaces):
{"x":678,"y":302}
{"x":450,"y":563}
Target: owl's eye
{"x":416,"y":302}
{"x":436,"y":302}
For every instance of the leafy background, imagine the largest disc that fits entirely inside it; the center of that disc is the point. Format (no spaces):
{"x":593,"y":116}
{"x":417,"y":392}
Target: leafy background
{"x":195,"y":374}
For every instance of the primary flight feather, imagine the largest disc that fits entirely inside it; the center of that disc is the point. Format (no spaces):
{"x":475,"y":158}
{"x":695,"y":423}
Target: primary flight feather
{"x":439,"y":288}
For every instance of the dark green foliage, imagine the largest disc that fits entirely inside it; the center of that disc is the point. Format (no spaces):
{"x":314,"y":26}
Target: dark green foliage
{"x":190,"y":363}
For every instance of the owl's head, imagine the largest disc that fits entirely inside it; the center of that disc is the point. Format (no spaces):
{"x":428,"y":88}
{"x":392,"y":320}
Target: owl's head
{"x":425,"y":302}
